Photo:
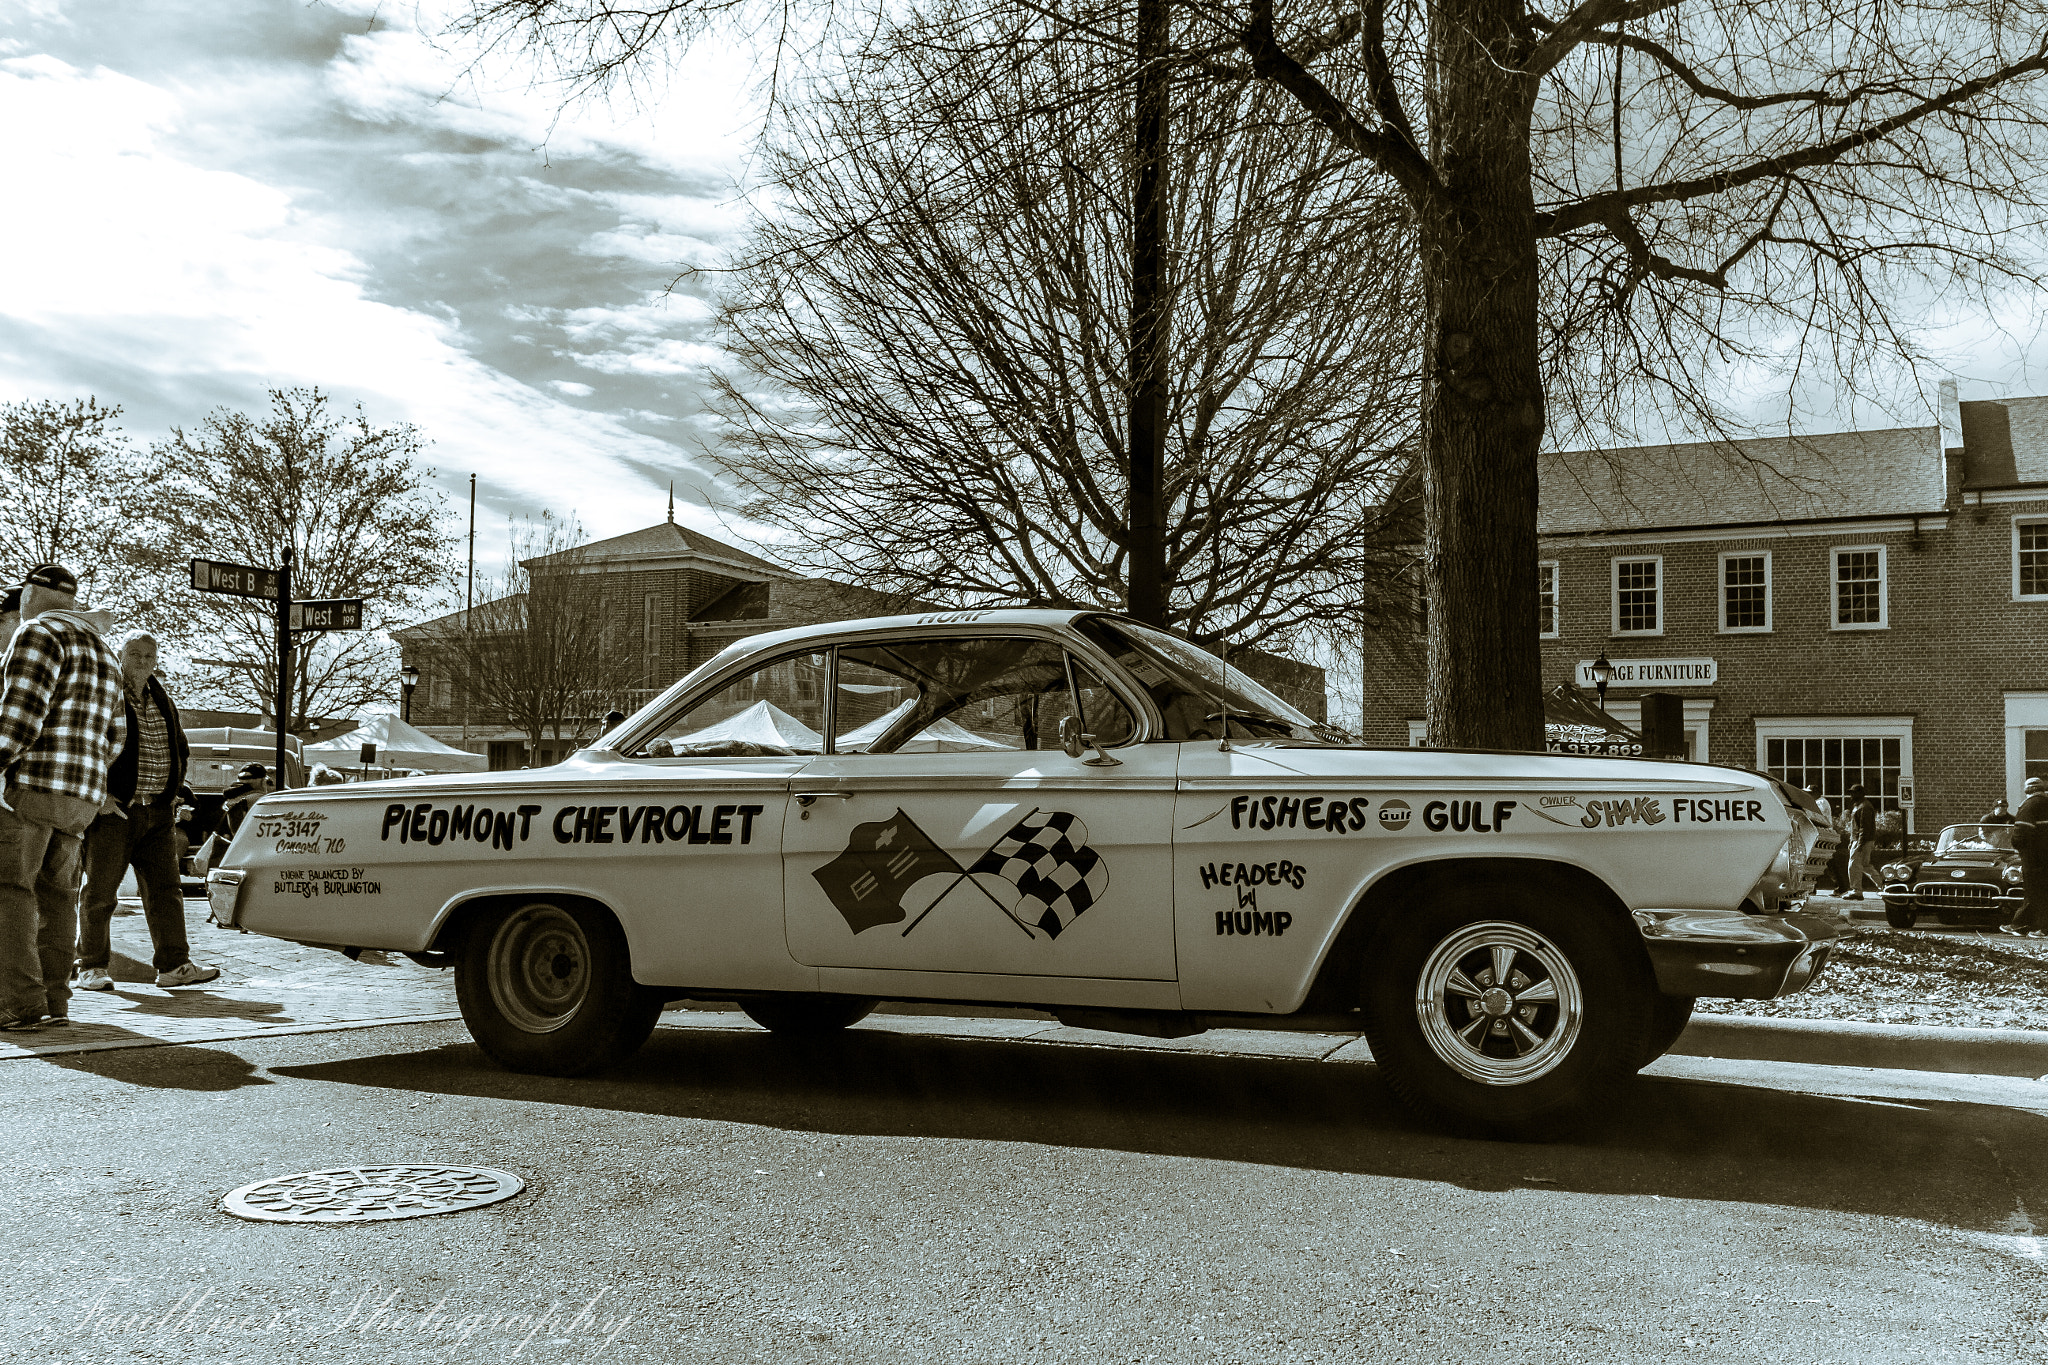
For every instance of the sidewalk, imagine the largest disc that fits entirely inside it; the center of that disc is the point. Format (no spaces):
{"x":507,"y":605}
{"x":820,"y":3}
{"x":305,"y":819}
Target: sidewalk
{"x":265,"y":986}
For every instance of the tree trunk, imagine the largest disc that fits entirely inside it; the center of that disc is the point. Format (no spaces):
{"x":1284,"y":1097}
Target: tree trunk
{"x":1145,"y":561}
{"x":1482,"y":413}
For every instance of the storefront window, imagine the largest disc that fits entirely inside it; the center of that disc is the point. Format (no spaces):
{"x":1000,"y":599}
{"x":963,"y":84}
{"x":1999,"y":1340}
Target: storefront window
{"x":1830,"y":766}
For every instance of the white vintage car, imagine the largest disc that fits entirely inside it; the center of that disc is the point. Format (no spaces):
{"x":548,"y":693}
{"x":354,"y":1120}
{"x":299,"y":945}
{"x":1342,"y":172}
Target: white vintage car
{"x":1067,"y":811}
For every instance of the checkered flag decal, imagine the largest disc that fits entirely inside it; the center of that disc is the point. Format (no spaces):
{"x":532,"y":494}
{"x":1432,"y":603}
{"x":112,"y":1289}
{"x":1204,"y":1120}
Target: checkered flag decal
{"x":1046,"y":857}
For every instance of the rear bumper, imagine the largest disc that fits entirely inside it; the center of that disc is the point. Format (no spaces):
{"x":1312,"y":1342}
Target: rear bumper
{"x":1731,"y":954}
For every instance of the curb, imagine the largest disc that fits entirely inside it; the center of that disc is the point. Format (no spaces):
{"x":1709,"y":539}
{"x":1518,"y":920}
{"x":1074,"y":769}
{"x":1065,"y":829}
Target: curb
{"x":1826,"y":1042}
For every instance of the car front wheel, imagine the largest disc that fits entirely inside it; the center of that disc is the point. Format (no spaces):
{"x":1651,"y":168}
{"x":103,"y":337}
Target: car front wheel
{"x":547,"y":987}
{"x":1502,"y":1009}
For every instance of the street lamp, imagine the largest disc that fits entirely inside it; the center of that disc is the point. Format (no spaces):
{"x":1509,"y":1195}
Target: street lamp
{"x":1602,"y":671}
{"x":409,"y":678}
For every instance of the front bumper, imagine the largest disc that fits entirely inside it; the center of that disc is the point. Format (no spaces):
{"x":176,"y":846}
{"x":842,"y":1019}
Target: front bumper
{"x":1731,"y":954}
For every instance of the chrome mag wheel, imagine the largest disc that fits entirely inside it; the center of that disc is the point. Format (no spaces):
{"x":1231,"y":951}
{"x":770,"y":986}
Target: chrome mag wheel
{"x":1499,"y":1003}
{"x":539,"y":968}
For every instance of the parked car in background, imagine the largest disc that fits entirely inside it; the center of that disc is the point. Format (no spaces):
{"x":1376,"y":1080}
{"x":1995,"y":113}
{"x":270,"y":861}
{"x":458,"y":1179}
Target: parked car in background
{"x":1972,"y":877}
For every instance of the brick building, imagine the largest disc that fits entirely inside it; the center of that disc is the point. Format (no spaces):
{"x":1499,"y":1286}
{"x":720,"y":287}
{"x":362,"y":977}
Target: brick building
{"x":1865,"y":607}
{"x":683,"y":596}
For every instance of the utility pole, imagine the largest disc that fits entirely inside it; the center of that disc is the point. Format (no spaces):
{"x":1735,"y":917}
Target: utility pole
{"x":1145,"y":563}
{"x":284,"y":659}
{"x":468,"y":606}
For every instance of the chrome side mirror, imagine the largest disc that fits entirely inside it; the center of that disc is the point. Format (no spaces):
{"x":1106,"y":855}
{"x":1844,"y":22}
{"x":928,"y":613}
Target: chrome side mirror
{"x":1075,"y":743}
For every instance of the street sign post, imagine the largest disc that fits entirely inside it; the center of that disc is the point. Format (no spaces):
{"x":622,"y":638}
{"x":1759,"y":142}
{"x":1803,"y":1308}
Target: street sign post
{"x":337,"y":613}
{"x":274,"y":586}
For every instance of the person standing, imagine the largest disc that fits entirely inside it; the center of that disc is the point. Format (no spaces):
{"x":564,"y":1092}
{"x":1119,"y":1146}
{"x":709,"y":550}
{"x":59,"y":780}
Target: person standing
{"x":252,"y":784}
{"x":61,"y":724}
{"x":138,"y":828}
{"x":1862,"y":821}
{"x":2030,"y":841}
{"x":1997,"y":815}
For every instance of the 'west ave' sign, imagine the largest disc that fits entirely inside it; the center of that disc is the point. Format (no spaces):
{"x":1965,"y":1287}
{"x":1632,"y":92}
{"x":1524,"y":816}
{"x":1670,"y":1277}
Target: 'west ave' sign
{"x":1653,"y":673}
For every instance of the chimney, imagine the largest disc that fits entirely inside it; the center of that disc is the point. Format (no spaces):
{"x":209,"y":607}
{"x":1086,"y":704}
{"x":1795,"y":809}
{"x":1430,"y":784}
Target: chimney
{"x":1949,"y":414}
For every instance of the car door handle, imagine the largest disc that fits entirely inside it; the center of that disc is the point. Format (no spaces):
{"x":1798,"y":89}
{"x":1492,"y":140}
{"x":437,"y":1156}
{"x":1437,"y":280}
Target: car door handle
{"x":805,"y":799}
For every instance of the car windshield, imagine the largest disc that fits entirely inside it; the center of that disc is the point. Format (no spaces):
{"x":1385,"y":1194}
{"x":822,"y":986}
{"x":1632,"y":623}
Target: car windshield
{"x":1975,"y":839}
{"x":1194,"y":689}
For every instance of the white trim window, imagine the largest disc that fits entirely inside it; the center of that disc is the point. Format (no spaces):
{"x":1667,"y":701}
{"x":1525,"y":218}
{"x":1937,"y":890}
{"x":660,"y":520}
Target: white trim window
{"x":2030,"y":559}
{"x":1829,"y":754}
{"x":1546,"y":598}
{"x":1638,"y":595}
{"x":650,"y":635}
{"x":1745,"y":592}
{"x":1859,"y":588}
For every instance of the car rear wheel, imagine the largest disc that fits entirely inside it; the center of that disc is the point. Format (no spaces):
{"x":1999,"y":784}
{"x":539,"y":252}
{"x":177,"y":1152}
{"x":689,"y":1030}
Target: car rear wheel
{"x":800,"y":1015}
{"x":1506,"y":1010}
{"x":1900,"y":916}
{"x":546,"y":987}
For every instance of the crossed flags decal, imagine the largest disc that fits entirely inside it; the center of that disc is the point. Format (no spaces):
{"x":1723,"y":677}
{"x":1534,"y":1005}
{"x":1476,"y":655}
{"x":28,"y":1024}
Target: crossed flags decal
{"x":1045,"y":856}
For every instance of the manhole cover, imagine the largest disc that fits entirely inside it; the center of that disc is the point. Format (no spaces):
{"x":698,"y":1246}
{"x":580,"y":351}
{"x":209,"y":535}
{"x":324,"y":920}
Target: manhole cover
{"x":360,"y":1194}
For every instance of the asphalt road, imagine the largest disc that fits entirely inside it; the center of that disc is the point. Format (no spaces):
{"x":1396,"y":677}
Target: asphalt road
{"x":727,"y":1197}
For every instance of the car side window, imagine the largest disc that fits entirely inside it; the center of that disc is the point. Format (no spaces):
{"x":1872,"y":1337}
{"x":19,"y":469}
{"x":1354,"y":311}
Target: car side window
{"x":963,"y":695}
{"x":776,"y":709}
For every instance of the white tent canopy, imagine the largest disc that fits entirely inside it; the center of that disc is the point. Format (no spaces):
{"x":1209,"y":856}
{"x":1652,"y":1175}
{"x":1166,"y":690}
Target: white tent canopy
{"x":398,"y":746}
{"x":764,"y":723}
{"x":941,"y":736}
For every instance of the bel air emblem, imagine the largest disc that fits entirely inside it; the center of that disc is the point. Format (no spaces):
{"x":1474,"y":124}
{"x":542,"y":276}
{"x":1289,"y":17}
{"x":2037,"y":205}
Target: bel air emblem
{"x":1959,"y":874}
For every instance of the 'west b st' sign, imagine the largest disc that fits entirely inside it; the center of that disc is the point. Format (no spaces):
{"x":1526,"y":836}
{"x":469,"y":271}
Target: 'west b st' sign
{"x":236,"y":580}
{"x":1653,"y":673}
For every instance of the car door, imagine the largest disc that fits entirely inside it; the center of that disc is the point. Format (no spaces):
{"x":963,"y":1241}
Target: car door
{"x":950,"y":832}
{"x":689,"y":818}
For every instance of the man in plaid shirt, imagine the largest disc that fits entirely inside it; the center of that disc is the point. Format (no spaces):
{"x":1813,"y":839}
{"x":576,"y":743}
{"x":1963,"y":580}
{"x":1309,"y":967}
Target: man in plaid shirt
{"x":61,"y":724}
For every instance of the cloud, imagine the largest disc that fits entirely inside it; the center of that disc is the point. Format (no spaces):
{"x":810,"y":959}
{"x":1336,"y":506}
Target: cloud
{"x":222,"y":198}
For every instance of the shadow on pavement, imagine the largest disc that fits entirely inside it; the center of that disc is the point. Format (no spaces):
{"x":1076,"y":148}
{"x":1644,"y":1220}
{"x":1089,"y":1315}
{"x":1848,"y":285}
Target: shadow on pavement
{"x":162,"y":1068}
{"x":1966,"y":1166}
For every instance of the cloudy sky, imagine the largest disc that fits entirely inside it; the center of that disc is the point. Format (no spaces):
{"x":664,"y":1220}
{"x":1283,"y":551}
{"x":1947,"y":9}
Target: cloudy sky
{"x":209,"y":198}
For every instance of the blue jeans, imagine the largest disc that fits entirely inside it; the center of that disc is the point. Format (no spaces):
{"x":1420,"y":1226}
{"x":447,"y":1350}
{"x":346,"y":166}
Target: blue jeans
{"x":145,"y":840}
{"x":38,"y":902}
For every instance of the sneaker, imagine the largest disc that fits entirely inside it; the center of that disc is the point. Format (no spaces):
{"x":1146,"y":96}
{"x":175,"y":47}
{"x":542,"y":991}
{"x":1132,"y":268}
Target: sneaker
{"x":2010,"y":929}
{"x":21,"y":1023}
{"x":57,"y":1021}
{"x":95,"y":979}
{"x":191,"y":974}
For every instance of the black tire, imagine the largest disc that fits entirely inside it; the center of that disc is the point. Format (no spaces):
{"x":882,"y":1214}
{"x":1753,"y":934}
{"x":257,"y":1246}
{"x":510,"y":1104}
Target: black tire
{"x":546,"y":987}
{"x":1591,"y":1024}
{"x":1668,"y":1017}
{"x":1901,"y":917}
{"x":808,"y":1015}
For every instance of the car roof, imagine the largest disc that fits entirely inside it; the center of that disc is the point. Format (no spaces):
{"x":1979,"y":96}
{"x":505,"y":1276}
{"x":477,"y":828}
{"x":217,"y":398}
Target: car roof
{"x":973,"y":616}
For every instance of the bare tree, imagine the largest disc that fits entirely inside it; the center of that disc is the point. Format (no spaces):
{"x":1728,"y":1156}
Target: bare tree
{"x":73,"y":482}
{"x":936,"y":307}
{"x":1618,"y":195}
{"x":550,"y":650}
{"x":358,"y":514}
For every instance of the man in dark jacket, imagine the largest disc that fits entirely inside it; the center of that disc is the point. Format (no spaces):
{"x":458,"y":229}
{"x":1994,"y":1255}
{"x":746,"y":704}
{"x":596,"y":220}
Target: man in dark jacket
{"x":2030,"y":840}
{"x":137,"y":828}
{"x":252,"y":784}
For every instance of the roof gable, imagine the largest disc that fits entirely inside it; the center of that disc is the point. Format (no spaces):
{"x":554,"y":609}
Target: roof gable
{"x":665,"y":543}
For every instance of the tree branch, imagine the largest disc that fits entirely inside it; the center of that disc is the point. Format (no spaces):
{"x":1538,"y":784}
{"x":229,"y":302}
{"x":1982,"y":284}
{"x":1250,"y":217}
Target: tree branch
{"x":1602,"y":208}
